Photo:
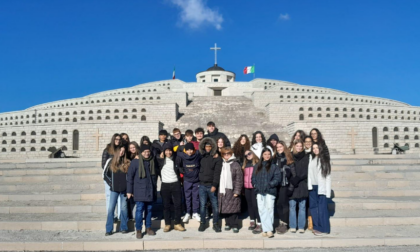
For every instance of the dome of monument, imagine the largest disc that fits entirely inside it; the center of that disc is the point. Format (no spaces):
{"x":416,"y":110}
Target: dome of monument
{"x":215,"y":68}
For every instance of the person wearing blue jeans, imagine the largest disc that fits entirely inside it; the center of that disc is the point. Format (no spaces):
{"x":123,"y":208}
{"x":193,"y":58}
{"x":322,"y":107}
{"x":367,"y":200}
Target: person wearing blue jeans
{"x":298,"y":187}
{"x":205,"y":194}
{"x":301,"y":218}
{"x":114,"y":198}
{"x":142,"y":186}
{"x":115,"y":175}
{"x":209,"y":177}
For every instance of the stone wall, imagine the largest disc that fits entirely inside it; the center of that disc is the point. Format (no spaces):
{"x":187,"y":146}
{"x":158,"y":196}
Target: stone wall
{"x":33,"y":141}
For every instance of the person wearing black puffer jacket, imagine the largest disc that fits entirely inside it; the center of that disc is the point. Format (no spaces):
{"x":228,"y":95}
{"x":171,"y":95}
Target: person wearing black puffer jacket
{"x":272,"y":141}
{"x":265,"y":179}
{"x":284,"y":160}
{"x":157,"y":145}
{"x":210,"y":169}
{"x":214,"y":134}
{"x":298,"y":188}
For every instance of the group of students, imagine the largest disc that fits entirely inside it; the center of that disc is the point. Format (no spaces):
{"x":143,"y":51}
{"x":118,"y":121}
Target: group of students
{"x":202,"y":174}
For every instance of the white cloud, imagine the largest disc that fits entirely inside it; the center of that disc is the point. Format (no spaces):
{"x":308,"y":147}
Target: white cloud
{"x":284,"y":16}
{"x":196,"y":13}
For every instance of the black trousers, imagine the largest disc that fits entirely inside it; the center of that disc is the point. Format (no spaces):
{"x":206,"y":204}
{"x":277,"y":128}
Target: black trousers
{"x":171,"y":192}
{"x":282,"y":204}
{"x":231,"y":220}
{"x":251,"y":200}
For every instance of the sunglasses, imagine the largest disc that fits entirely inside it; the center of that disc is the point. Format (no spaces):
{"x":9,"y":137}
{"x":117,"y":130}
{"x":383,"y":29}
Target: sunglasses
{"x":249,"y":154}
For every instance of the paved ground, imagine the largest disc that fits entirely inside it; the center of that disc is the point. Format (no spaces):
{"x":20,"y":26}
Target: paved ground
{"x":359,"y":249}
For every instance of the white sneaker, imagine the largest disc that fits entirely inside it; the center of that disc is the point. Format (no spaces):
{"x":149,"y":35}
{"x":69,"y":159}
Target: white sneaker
{"x":186,"y":218}
{"x":196,"y":217}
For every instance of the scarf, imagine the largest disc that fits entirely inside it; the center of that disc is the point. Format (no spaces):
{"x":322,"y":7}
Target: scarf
{"x":298,"y":156}
{"x":142,"y":171}
{"x":226,"y":176}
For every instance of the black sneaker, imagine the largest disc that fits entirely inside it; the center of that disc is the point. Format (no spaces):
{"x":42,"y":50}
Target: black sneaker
{"x":217,"y":228}
{"x":227,"y":228}
{"x":202,"y":227}
{"x":108,"y":233}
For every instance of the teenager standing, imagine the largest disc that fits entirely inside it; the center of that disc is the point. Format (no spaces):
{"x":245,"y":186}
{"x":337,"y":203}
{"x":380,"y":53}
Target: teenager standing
{"x":319,"y":185}
{"x":214,"y":133}
{"x":115,"y":177}
{"x":299,"y":185}
{"x":319,"y":139}
{"x":250,"y":195}
{"x":142,"y":185}
{"x":265,"y":180}
{"x":259,"y":143}
{"x":284,"y":160}
{"x":171,"y":188}
{"x":231,"y":182}
{"x":241,"y":145}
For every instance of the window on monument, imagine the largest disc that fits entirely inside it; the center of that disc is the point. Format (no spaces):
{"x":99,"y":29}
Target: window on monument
{"x":151,"y":98}
{"x":353,"y":116}
{"x":116,"y":111}
{"x":99,"y":112}
{"x":33,"y":149}
{"x":22,"y":149}
{"x":396,"y":137}
{"x":13,"y":150}
{"x":4,"y":134}
{"x":3,"y":150}
{"x":281,"y":96}
{"x":43,"y":141}
{"x":64,"y":140}
{"x":53,"y":140}
{"x":344,"y":109}
{"x":319,"y":115}
{"x":137,"y":99}
{"x":134,"y":117}
{"x":396,"y":129}
{"x":13,"y":133}
{"x":386,"y":145}
{"x":22,"y":141}
{"x":416,"y":129}
{"x":416,"y":146}
{"x":125,"y":117}
{"x":345,"y":115}
{"x":33,"y":141}
{"x":309,"y":109}
{"x":122,"y":99}
{"x":217,"y":92}
{"x":4,"y":142}
{"x":67,"y":113}
{"x":143,"y":118}
{"x":352,"y":109}
{"x":407,"y":144}
{"x":288,"y":97}
{"x":368,"y":117}
{"x":64,"y":148}
{"x":406,"y":137}
{"x":67,"y":120}
{"x":328,"y":115}
{"x":360,"y":116}
{"x":386,"y":137}
{"x":23,"y":133}
{"x":125,"y":111}
{"x":336,"y":109}
{"x":336,"y":115}
{"x":116,"y":117}
{"x":300,"y":109}
{"x":301,"y":117}
{"x":310,"y":115}
{"x":374,"y":137}
{"x":406,"y":129}
{"x":204,"y":81}
{"x":134,"y":110}
{"x":53,"y":132}
{"x":143,"y":110}
{"x":90,"y":118}
{"x":319,"y":109}
{"x":144,"y":98}
{"x":98,"y":118}
{"x":328,"y":109}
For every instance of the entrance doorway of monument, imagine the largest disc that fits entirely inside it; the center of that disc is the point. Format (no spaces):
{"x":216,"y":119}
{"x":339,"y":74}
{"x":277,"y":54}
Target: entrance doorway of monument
{"x":217,"y":91}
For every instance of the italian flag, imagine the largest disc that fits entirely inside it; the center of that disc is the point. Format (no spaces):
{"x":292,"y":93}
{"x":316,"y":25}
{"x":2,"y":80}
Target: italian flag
{"x":173,"y":74}
{"x":249,"y":69}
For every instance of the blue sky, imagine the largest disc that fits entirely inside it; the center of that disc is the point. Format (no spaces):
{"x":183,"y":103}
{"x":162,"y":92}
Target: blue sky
{"x":52,"y":50}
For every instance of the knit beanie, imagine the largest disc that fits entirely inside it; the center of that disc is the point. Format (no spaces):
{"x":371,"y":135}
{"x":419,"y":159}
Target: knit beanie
{"x":189,"y":146}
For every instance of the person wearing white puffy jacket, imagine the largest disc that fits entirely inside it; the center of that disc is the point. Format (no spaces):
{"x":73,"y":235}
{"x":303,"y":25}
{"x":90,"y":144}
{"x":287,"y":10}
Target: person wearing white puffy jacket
{"x":319,"y":186}
{"x":259,"y":143}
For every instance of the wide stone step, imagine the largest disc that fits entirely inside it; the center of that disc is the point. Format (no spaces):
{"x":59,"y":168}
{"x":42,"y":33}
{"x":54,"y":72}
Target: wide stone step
{"x":369,"y":168}
{"x":88,"y":195}
{"x":377,"y":184}
{"x":57,"y":171}
{"x":47,"y":163}
{"x":45,"y":240}
{"x":31,"y":179}
{"x":49,"y":187}
{"x":377,"y":175}
{"x":344,"y":193}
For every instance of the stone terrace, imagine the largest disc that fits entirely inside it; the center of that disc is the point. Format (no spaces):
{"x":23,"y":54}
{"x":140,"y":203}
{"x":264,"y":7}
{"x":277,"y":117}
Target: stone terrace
{"x":54,"y":205}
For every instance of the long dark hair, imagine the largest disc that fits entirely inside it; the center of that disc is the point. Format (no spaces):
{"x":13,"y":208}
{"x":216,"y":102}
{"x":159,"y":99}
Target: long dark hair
{"x":264,"y":142}
{"x":319,"y":139}
{"x":238,"y":149}
{"x":302,"y":137}
{"x":145,"y":138}
{"x":267,"y":164}
{"x":324,"y":158}
{"x":111,"y":147}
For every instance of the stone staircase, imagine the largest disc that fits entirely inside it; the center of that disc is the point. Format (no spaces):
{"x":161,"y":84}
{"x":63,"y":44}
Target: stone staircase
{"x":55,"y":205}
{"x":233,"y":115}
